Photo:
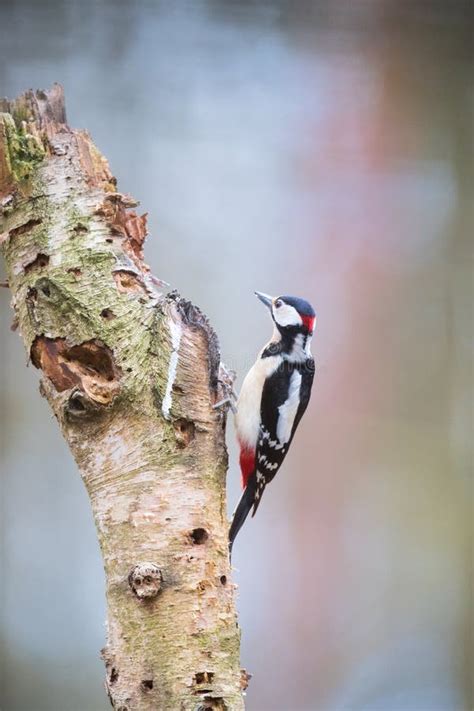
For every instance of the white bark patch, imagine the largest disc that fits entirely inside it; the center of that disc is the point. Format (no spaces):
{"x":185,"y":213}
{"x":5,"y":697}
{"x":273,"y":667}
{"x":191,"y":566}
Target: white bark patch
{"x":176,"y":333}
{"x":115,"y":450}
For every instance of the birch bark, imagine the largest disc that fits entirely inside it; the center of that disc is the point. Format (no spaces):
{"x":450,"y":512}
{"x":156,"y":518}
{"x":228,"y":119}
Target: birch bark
{"x":131,"y":376}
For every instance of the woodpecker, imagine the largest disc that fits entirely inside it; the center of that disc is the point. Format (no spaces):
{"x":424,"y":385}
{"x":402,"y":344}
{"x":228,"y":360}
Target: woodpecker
{"x":272,"y":401}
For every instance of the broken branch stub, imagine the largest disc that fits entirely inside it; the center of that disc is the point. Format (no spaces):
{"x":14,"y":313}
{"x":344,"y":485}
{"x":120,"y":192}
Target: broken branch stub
{"x":131,"y":376}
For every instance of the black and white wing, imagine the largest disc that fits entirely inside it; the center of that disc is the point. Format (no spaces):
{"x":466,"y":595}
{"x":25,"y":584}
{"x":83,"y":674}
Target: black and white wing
{"x":285,"y":398}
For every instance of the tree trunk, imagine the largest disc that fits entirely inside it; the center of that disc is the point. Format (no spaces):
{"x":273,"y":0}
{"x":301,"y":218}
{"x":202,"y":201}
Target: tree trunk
{"x":131,"y":376}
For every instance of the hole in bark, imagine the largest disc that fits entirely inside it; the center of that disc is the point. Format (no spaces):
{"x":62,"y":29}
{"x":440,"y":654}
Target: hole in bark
{"x":45,"y":290}
{"x":40,"y":261}
{"x":147,"y":684}
{"x":184,"y":431}
{"x":113,"y":675}
{"x":204,"y":677}
{"x":92,"y":357}
{"x":213,"y":704}
{"x":80,"y":228}
{"x":107,"y":314}
{"x":24,"y":228}
{"x":199,"y":536}
{"x":89,"y":366}
{"x":79,"y":404}
{"x":31,"y":295}
{"x":129,"y":370}
{"x":76,"y":405}
{"x":223,"y":579}
{"x":127,"y":282}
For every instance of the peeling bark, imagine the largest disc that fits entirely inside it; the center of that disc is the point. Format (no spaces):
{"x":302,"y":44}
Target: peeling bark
{"x":131,"y":376}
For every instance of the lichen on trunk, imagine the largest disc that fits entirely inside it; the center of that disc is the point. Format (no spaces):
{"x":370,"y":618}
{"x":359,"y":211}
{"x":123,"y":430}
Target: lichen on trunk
{"x":131,"y":376}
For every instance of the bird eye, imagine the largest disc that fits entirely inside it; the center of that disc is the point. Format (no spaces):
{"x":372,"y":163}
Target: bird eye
{"x":278,"y":303}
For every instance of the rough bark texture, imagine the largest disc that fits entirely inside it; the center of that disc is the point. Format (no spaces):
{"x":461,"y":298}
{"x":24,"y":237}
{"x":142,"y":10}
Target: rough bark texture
{"x":131,"y":376}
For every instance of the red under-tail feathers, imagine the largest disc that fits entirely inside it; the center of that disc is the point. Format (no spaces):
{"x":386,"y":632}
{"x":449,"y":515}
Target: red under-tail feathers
{"x":247,"y":467}
{"x":247,"y":464}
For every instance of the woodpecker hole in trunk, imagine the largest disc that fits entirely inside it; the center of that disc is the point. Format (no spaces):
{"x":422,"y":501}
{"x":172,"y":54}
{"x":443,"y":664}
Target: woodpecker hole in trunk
{"x":88,"y":366}
{"x":22,"y":229}
{"x":80,"y":228}
{"x":39,"y":262}
{"x":184,"y":431}
{"x":108,"y":314}
{"x":199,"y":536}
{"x":213,"y":704}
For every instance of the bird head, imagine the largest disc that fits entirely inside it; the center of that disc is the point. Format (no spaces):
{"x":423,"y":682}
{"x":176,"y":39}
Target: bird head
{"x":290,"y":313}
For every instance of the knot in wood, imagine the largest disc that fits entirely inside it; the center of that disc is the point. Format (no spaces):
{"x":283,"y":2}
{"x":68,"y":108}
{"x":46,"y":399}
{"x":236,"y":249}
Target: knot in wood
{"x":145,"y":580}
{"x":79,"y":405}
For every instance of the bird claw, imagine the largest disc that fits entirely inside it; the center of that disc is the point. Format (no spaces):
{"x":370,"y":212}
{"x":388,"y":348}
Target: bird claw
{"x":226,"y":379}
{"x":228,"y":401}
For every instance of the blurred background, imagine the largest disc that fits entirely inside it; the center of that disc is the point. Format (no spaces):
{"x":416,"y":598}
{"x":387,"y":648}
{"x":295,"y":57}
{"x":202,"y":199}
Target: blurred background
{"x":321,"y":149}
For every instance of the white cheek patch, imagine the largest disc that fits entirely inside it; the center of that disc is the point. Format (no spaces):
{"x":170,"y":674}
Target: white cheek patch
{"x":287,"y":315}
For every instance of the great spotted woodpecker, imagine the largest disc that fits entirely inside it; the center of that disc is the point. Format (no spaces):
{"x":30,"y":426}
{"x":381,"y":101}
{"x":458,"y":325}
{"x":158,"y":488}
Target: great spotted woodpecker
{"x":273,"y":398}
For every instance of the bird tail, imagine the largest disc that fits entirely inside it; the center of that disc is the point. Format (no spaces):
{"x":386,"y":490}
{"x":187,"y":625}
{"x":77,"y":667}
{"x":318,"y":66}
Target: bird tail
{"x":246,"y":502}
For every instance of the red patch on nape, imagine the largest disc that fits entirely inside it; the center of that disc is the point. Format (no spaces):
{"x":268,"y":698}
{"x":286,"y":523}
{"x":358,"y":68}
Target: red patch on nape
{"x":247,"y":464}
{"x":308,"y":321}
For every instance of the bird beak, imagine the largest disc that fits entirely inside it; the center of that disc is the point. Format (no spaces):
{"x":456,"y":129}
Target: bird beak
{"x":265,"y":299}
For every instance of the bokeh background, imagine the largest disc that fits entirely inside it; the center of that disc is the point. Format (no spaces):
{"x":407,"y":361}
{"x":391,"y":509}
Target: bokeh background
{"x":321,"y":149}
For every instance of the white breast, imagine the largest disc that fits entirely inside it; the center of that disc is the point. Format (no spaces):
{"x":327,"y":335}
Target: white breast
{"x":287,"y":411}
{"x":247,"y":419}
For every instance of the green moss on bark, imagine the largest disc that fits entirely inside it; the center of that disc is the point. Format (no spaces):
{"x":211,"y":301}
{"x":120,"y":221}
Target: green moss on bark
{"x":24,"y":151}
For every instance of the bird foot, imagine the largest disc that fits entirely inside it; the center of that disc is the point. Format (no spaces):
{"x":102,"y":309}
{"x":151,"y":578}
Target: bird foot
{"x":226,"y":379}
{"x":228,"y":402}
